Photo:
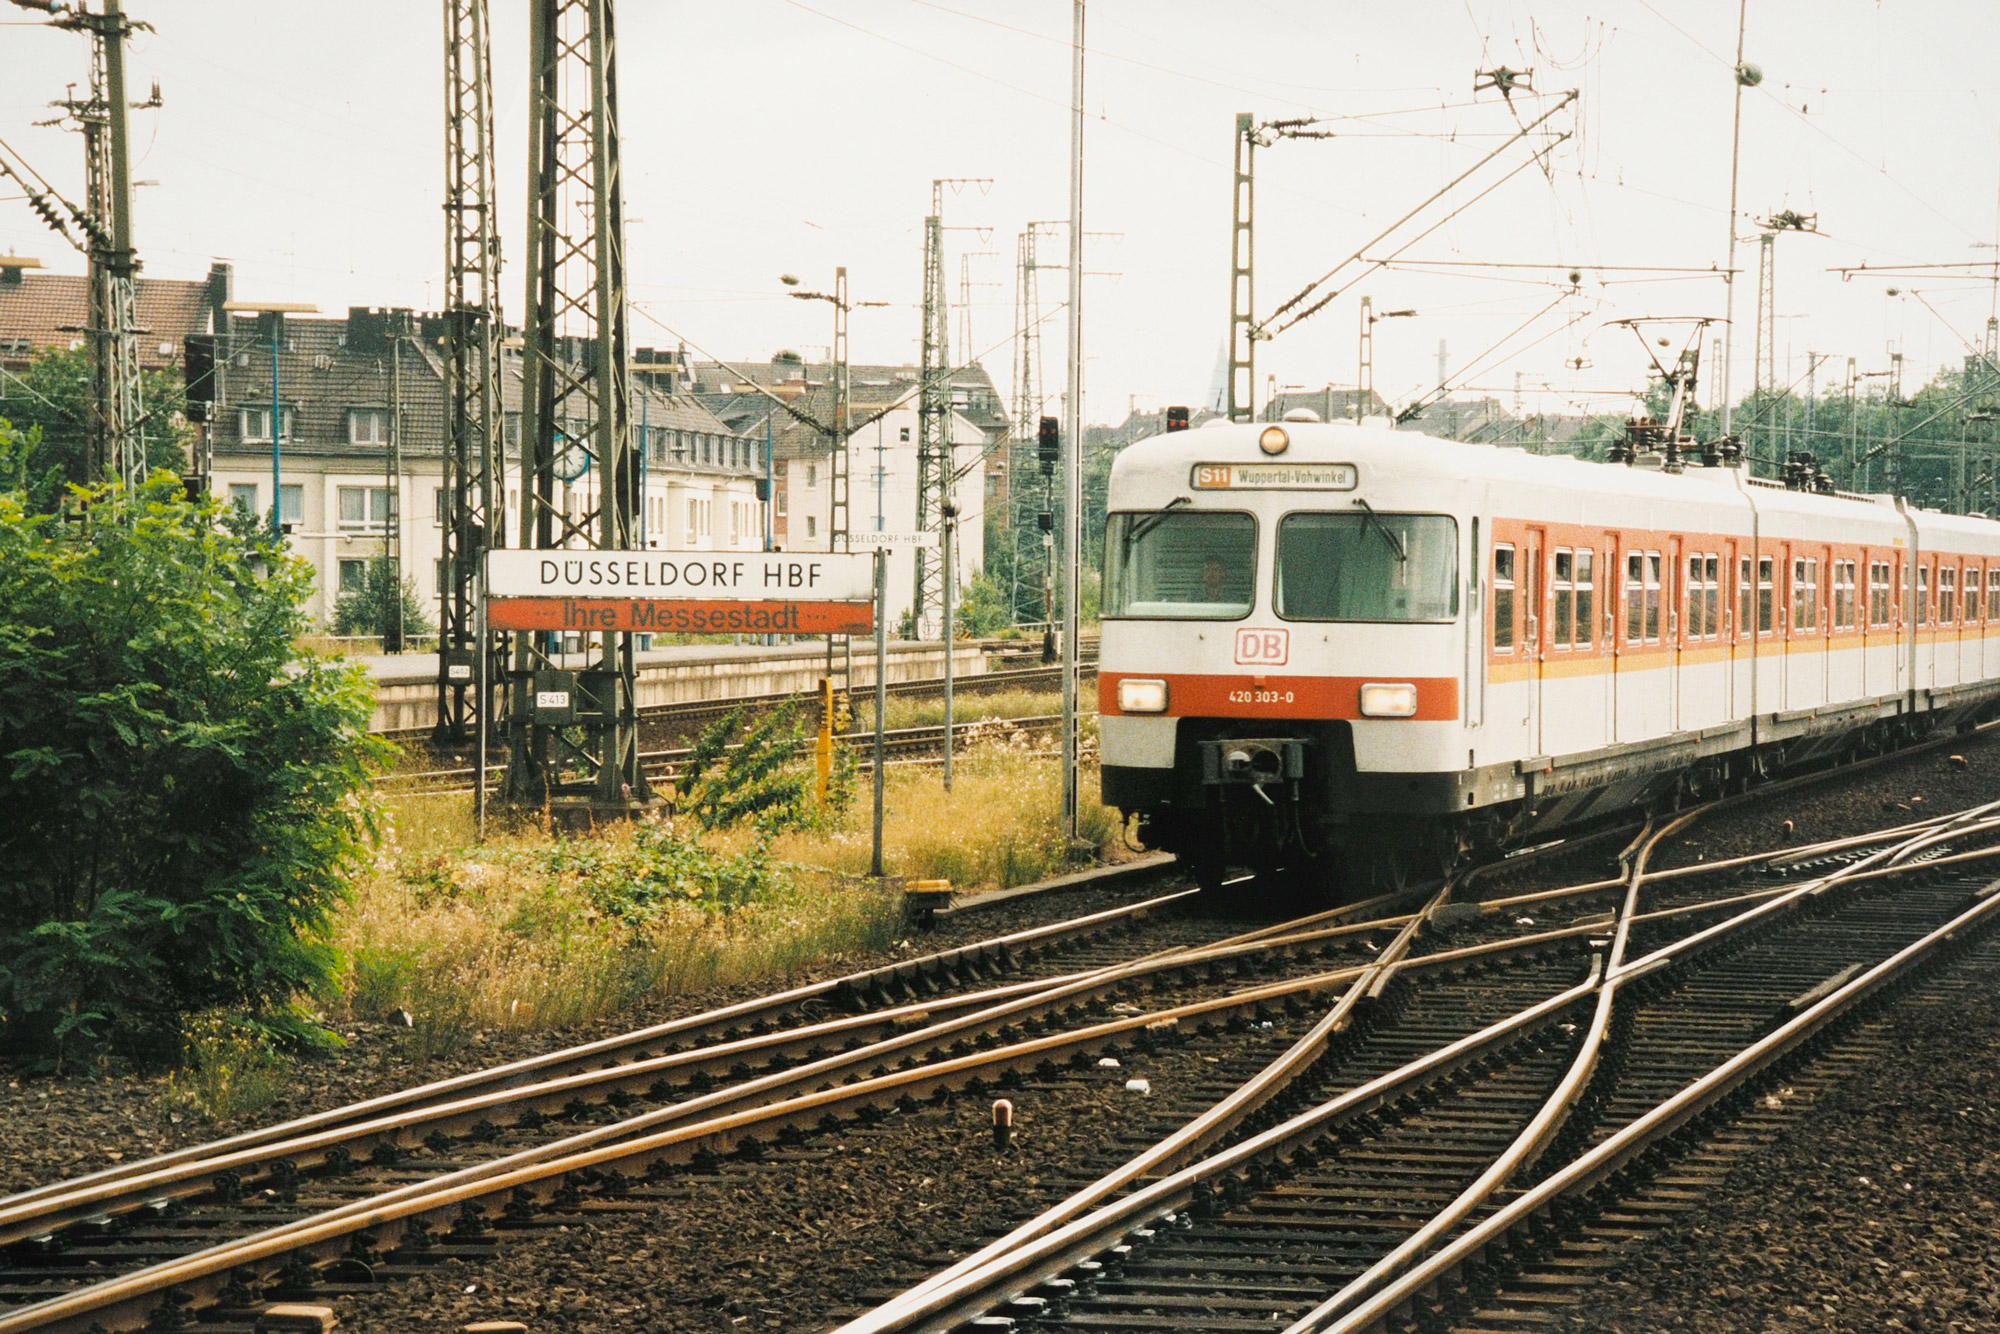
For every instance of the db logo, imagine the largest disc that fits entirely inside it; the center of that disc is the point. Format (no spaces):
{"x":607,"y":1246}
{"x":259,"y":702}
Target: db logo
{"x":1262,"y":648}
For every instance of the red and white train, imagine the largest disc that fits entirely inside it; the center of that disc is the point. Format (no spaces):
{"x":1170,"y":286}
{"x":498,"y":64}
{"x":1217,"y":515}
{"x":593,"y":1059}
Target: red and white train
{"x":1344,"y":642}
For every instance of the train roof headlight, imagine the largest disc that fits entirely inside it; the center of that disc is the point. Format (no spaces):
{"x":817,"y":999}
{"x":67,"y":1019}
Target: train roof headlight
{"x":1142,"y":695}
{"x":1274,"y":440}
{"x":1385,"y":699}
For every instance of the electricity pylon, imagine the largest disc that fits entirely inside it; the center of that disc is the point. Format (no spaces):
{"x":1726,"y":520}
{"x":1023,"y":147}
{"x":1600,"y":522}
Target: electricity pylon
{"x":475,"y":448}
{"x":576,"y":412}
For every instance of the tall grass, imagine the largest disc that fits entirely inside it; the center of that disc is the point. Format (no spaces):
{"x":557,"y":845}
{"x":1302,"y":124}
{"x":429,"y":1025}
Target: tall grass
{"x":927,"y":711}
{"x":529,"y":931}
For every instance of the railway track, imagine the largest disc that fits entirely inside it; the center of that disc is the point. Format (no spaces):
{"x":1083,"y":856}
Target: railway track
{"x":1397,"y":1195}
{"x":696,"y":712}
{"x":338,"y":1203}
{"x":902,"y":745}
{"x":335,"y":1201}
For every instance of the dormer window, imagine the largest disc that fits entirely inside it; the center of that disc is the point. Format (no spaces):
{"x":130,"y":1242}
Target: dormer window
{"x":367,"y":426}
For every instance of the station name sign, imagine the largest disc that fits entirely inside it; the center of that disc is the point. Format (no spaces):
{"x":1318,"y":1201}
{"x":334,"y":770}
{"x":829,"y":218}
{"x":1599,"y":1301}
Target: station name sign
{"x":694,"y":592}
{"x":1274,"y":476}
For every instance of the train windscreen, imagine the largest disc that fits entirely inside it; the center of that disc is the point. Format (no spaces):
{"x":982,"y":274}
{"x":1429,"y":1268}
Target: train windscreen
{"x":1180,"y":565}
{"x":1358,"y":565}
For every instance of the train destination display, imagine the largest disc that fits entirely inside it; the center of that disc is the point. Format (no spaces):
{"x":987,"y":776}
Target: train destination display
{"x":693,"y":592}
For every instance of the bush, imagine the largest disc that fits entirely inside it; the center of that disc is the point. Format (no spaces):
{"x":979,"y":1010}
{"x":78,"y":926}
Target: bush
{"x":371,"y":608}
{"x":183,"y":789}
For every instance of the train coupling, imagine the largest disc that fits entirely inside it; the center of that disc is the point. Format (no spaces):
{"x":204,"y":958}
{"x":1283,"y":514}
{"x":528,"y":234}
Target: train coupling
{"x":1257,"y":763}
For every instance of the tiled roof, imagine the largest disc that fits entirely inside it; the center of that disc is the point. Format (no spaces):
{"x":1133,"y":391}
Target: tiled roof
{"x":51,"y":310}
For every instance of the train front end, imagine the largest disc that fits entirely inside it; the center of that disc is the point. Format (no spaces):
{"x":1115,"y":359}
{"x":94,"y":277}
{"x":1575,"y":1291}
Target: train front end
{"x":1284,"y":656}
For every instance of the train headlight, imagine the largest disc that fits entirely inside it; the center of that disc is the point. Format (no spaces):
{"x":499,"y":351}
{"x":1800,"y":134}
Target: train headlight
{"x":1141,"y":695}
{"x":1273,"y":440}
{"x":1384,"y":699}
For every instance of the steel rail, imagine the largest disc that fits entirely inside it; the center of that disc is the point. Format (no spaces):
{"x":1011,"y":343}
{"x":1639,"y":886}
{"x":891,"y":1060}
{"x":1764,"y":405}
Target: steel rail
{"x":1600,"y":1162}
{"x":1205,"y":1130}
{"x":725,"y":1127}
{"x":732,"y":1115}
{"x":1522,"y":1153}
{"x":590,"y":1054}
{"x":943,"y":1305}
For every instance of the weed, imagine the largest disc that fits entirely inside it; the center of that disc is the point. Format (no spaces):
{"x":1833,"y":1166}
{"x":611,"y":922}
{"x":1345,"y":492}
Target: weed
{"x":229,"y":1069}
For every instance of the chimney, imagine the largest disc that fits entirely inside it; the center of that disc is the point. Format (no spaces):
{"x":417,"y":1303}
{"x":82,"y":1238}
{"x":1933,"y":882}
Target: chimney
{"x":221,"y":287}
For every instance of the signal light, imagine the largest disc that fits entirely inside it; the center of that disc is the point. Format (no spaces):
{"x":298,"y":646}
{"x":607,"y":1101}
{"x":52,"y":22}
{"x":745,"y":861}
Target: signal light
{"x":198,"y":370}
{"x":1177,"y":419}
{"x":1048,"y":445}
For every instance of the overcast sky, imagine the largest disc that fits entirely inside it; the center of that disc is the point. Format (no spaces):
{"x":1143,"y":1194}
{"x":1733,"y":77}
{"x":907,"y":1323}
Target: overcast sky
{"x":304,"y":143}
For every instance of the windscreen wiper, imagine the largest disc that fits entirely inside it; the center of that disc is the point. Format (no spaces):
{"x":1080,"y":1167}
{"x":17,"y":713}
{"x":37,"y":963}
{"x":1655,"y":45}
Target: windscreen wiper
{"x":1369,"y":516}
{"x":1146,"y":523}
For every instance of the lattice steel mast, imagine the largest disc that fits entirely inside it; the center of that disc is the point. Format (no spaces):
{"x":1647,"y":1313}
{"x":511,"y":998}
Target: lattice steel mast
{"x":475,"y":448}
{"x":117,"y":447}
{"x":934,"y":451}
{"x":576,"y":418}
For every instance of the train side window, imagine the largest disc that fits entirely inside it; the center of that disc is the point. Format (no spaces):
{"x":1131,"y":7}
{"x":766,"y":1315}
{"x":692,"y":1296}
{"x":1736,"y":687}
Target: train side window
{"x":1805,"y":592}
{"x":1586,"y":580}
{"x":1843,"y":595}
{"x":1745,"y":588}
{"x":1652,"y":597}
{"x":1878,"y":592}
{"x":1993,"y":592}
{"x":1635,"y":596}
{"x":1711,"y":616}
{"x":1923,"y":595}
{"x":1947,"y":594}
{"x":1766,"y":571}
{"x":1565,"y":596}
{"x":1503,"y":597}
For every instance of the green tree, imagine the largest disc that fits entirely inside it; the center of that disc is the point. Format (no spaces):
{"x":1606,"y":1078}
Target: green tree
{"x":54,"y":398}
{"x":370,"y":608}
{"x":184,"y":790}
{"x":982,"y":608}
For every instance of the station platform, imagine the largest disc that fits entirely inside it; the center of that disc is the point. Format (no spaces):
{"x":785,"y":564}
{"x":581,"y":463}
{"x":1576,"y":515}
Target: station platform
{"x":406,"y":683}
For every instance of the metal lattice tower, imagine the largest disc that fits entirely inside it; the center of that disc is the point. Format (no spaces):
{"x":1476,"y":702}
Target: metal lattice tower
{"x":935,"y":460}
{"x":1764,"y":364}
{"x":1242,"y":310}
{"x":1025,"y":488}
{"x":475,"y":449}
{"x":576,"y":410}
{"x":839,"y":473}
{"x":117,"y":447}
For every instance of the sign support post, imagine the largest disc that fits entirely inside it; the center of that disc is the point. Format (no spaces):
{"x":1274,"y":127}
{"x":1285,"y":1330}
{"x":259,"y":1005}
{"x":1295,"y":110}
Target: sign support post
{"x":950,"y":518}
{"x":881,"y":692}
{"x":485,"y":664}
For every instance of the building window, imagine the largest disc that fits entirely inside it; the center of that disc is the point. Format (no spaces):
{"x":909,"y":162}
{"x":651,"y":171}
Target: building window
{"x":244,"y":497}
{"x":812,"y":526}
{"x":255,"y":423}
{"x":1503,"y":598}
{"x":292,"y":503}
{"x":368,"y":426}
{"x":903,"y":434}
{"x":782,"y":493}
{"x":353,"y":575}
{"x":693,"y":521}
{"x":366,"y":507}
{"x":812,"y":476}
{"x":443,"y":511}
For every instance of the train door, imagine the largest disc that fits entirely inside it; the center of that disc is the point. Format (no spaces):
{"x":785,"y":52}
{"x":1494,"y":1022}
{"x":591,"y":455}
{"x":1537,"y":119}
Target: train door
{"x":1612,"y":595}
{"x":1735,"y":698}
{"x":1534,"y":631}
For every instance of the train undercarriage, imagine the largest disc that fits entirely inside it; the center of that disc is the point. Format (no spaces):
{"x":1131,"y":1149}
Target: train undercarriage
{"x":1288,"y":806}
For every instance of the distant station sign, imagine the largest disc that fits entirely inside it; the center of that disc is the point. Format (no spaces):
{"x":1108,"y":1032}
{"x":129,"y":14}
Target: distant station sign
{"x":690,"y":592}
{"x":927,"y":541}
